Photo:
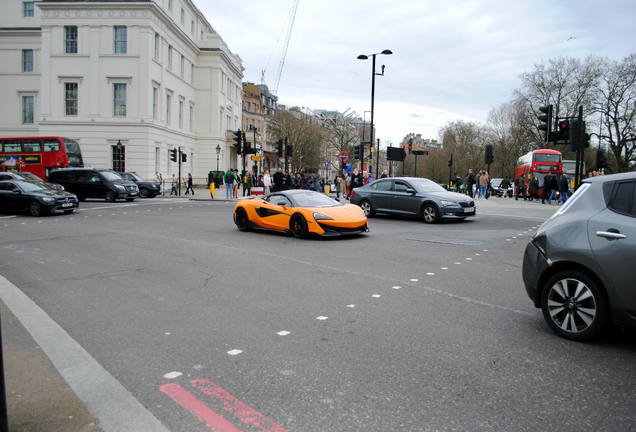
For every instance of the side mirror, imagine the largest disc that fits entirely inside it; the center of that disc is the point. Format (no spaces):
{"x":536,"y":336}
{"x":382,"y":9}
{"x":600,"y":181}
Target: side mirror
{"x":411,"y":191}
{"x":282,"y":203}
{"x":16,"y":191}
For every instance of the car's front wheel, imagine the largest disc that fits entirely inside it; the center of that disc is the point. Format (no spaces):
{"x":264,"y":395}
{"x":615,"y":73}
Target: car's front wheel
{"x":298,"y":226}
{"x":109,"y":196}
{"x":241,"y":220}
{"x":366,"y":208}
{"x":35,"y":208}
{"x":574,"y":306}
{"x":143,"y":193}
{"x":430,"y":214}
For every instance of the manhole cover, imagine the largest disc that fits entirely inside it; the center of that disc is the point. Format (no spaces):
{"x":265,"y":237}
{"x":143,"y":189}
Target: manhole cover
{"x":443,"y":240}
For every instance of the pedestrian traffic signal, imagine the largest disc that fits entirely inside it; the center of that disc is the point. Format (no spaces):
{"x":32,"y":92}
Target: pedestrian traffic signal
{"x":563,"y":133}
{"x":290,"y":150}
{"x":601,"y":163}
{"x":489,"y":157}
{"x":173,"y":155}
{"x":410,"y":145}
{"x":546,"y":123}
{"x":238,"y":139}
{"x":280,"y":147}
{"x":248,"y":147}
{"x":356,"y":151}
{"x":184,"y":157}
{"x":573,"y":134}
{"x":450,"y":163}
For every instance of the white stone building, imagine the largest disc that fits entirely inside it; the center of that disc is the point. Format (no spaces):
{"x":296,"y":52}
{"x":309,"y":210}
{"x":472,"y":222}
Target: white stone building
{"x":151,"y":75}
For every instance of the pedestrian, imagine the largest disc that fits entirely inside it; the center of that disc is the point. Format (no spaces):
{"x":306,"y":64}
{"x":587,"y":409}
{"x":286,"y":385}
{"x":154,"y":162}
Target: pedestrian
{"x":267,"y":183}
{"x":248,"y":183}
{"x":237,"y":181}
{"x":348,"y":182}
{"x":554,"y":187}
{"x":159,"y":180}
{"x":484,"y":180}
{"x":533,"y":189}
{"x":545,"y":189}
{"x":520,"y":187}
{"x":458,"y":183}
{"x":385,"y":174}
{"x":303,"y":182}
{"x":228,"y":179}
{"x":174,"y":185}
{"x":470,"y":182}
{"x":287,"y":181}
{"x":353,"y":183}
{"x":189,"y":188}
{"x":296,"y":181}
{"x":278,"y":180}
{"x":477,"y":189}
{"x":564,"y":188}
{"x":369,"y":179}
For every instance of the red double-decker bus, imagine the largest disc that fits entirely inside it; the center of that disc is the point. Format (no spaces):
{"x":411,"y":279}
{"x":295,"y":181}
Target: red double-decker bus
{"x":39,"y":155}
{"x":538,"y":163}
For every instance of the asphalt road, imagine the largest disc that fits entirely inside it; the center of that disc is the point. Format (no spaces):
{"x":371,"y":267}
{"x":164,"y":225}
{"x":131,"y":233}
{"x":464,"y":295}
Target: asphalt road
{"x":411,"y":327}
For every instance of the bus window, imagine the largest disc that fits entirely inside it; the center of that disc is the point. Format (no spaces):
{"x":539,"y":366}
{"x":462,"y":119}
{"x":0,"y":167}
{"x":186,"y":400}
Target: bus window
{"x":51,"y":145}
{"x":541,"y":157}
{"x":73,"y":153}
{"x":32,"y":145}
{"x":12,"y":146}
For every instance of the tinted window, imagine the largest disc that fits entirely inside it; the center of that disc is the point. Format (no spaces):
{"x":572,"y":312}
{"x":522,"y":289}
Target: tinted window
{"x":381,"y":186}
{"x":61,"y":175}
{"x":275,"y":199}
{"x":112,"y":176}
{"x":5,"y":176}
{"x":401,"y":186}
{"x":622,"y":197}
{"x":51,"y":145}
{"x":6,"y":186}
{"x":13,"y":146}
{"x":32,"y":145}
{"x":90,"y":177}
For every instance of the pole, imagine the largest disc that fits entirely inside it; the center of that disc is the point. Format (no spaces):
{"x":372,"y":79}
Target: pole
{"x":4,"y":415}
{"x":415,"y":173}
{"x":179,"y":171}
{"x":450,"y":170}
{"x":286,"y":154}
{"x":372,"y":102}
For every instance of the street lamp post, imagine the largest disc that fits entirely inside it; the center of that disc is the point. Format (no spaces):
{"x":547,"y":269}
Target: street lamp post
{"x":216,"y":180}
{"x":373,"y":74}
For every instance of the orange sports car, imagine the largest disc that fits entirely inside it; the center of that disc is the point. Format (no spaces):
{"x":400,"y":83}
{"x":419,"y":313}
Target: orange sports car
{"x":300,"y":212}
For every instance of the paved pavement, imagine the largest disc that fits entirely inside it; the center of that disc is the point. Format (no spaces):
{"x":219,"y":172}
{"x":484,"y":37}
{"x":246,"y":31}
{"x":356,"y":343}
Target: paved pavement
{"x":41,"y":360}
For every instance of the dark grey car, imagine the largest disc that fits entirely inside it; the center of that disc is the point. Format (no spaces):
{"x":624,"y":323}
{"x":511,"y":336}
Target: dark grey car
{"x":412,"y":196}
{"x":580,"y":266}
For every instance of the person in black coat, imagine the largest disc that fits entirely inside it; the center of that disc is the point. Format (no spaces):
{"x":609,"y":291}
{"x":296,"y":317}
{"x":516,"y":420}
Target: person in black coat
{"x":545,"y":190}
{"x":533,"y":189}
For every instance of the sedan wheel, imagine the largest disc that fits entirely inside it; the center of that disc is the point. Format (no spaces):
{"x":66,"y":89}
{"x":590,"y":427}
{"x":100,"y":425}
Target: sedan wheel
{"x":366,"y":208}
{"x":430,"y":214}
{"x":143,"y":193}
{"x":574,"y":306}
{"x":109,"y":196}
{"x":35,"y":208}
{"x":241,"y":220}
{"x":298,"y":226}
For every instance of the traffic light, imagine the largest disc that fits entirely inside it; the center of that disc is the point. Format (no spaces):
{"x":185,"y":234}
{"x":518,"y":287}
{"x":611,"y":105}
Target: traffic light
{"x":361,"y":152}
{"x":248,"y":147}
{"x":238,"y":139}
{"x":280,"y":147}
{"x":410,"y":145}
{"x":184,"y":157}
{"x":573,"y":134}
{"x":546,"y":123}
{"x":357,"y":150}
{"x":489,"y":157}
{"x":173,"y":155}
{"x":290,"y":150}
{"x":601,"y":163}
{"x":450,"y":163}
{"x":563,"y":134}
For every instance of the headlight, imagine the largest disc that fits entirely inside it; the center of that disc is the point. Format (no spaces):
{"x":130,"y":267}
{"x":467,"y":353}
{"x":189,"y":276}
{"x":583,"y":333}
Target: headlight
{"x":320,"y":216}
{"x":449,"y":204}
{"x":48,"y":200}
{"x":118,"y":186}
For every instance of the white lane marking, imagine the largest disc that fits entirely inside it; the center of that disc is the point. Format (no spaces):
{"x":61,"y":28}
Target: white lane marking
{"x":444,"y":268}
{"x":469,"y":259}
{"x":322,"y":318}
{"x":234,"y":352}
{"x":457,"y":263}
{"x":283,"y":333}
{"x":172,"y":375}
{"x":414,"y":280}
{"x":351,"y":306}
{"x":430,"y":274}
{"x":397,"y":287}
{"x":376,"y":295}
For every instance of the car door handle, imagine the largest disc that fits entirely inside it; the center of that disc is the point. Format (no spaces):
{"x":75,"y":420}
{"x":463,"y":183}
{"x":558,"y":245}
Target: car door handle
{"x":611,"y":234}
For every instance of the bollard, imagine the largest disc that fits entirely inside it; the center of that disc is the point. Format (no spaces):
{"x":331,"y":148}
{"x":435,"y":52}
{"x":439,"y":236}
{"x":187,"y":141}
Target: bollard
{"x":212,"y":190}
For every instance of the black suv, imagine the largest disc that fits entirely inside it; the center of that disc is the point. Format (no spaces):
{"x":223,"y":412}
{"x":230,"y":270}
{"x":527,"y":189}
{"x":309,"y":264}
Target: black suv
{"x":95,"y":183}
{"x":146,"y":189}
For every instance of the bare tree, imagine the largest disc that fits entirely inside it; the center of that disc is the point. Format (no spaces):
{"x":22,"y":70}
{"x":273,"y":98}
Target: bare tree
{"x":303,"y":132}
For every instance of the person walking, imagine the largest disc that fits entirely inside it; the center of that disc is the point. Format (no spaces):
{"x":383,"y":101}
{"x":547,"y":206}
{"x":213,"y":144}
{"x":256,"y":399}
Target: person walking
{"x":545,"y":189}
{"x":477,"y":189}
{"x":287,"y":181}
{"x":533,"y":189}
{"x":189,"y":188}
{"x":174,"y":185}
{"x":554,"y":187}
{"x":484,"y":180}
{"x":520,"y":187}
{"x":385,"y":174}
{"x":267,"y":183}
{"x":470,"y":182}
{"x":228,"y":179}
{"x":248,"y":183}
{"x":564,"y":189}
{"x":237,"y":181}
{"x":458,"y":183}
{"x":277,"y":178}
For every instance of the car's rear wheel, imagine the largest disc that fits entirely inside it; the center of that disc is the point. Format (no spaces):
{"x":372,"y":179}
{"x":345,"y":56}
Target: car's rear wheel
{"x":574,"y":306}
{"x":241,"y":220}
{"x":430,"y":214}
{"x":143,"y":193}
{"x":298,"y":226}
{"x":109,"y":196}
{"x":35,"y":208}
{"x":366,"y":208}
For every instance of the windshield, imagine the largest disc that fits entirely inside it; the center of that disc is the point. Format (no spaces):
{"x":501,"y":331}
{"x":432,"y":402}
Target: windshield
{"x":27,"y":176}
{"x":73,"y":153}
{"x":425,"y":185}
{"x":542,"y":157}
{"x":314,"y":199}
{"x":111,"y":175}
{"x":136,"y":177}
{"x":36,"y":186}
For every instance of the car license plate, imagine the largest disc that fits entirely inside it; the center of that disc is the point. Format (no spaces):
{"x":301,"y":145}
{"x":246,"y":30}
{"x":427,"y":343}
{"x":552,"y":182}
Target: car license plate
{"x":469,"y":210}
{"x":67,"y":205}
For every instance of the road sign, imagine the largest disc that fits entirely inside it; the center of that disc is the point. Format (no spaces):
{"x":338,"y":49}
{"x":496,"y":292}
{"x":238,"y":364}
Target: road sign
{"x":343,"y":156}
{"x":256,"y":158}
{"x":326,"y":164}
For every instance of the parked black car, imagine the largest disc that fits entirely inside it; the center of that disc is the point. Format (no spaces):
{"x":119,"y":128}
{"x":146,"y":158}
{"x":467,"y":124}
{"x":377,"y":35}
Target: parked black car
{"x":95,"y":183}
{"x":36,"y":198}
{"x":580,"y":266}
{"x":146,"y":189}
{"x":412,"y":196}
{"x":27,"y":176}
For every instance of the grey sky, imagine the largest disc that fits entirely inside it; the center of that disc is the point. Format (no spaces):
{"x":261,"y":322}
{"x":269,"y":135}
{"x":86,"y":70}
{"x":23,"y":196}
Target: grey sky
{"x":452,"y":59}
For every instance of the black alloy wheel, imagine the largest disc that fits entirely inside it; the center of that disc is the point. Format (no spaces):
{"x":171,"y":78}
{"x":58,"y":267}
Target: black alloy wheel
{"x":35,"y":208}
{"x":143,"y":193}
{"x":298,"y":226}
{"x":430,"y":214}
{"x":574,"y":306}
{"x":241,"y":220}
{"x":109,"y":196}
{"x":365,"y":205}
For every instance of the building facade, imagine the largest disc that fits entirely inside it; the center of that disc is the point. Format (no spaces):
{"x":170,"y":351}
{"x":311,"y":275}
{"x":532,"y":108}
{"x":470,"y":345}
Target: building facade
{"x":147,"y":75}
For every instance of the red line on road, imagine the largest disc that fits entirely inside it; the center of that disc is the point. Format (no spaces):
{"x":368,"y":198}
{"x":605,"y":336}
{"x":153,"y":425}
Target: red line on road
{"x":211,"y":419}
{"x":246,"y":414}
